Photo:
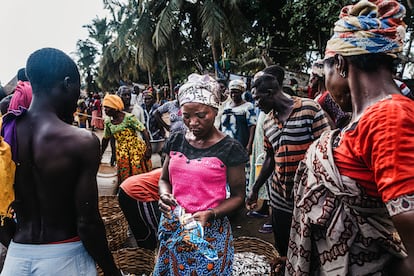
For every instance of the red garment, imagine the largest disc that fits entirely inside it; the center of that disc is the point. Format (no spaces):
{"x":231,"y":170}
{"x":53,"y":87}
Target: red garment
{"x":22,"y":96}
{"x":143,"y":187}
{"x":379,"y":151}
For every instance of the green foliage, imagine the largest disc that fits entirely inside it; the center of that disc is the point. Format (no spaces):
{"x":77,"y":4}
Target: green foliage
{"x":142,"y":34}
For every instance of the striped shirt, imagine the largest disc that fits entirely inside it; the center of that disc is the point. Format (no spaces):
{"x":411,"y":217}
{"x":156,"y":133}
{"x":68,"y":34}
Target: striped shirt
{"x":289,"y":142}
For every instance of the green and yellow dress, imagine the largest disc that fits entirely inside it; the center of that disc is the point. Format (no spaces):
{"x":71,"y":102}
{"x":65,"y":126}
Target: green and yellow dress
{"x":130,"y":148}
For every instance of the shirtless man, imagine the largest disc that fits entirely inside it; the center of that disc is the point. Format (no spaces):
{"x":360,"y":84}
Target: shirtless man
{"x":58,"y":227}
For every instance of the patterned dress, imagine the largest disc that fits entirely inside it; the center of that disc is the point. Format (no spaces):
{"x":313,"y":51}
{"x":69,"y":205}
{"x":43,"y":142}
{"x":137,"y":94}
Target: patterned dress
{"x":348,"y":188}
{"x":176,"y":119}
{"x":198,"y":179}
{"x":130,"y":148}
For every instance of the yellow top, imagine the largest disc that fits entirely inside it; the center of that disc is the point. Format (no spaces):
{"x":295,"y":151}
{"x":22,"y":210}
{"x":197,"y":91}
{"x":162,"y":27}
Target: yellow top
{"x":7,"y":170}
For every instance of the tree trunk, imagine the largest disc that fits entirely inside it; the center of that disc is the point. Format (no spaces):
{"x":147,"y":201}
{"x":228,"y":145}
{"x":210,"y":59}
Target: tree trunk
{"x":214,"y":52}
{"x":169,"y":73}
{"x":149,"y":77}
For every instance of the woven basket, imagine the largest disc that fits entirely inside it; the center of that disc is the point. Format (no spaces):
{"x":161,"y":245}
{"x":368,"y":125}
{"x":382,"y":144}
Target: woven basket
{"x":135,"y":260}
{"x":116,"y":225}
{"x":257,"y":246}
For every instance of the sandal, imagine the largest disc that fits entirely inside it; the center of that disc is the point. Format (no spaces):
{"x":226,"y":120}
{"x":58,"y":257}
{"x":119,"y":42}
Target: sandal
{"x":254,"y":214}
{"x":266,"y":229}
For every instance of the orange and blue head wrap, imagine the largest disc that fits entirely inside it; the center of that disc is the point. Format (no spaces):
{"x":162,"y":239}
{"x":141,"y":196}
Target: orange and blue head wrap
{"x":374,"y":26}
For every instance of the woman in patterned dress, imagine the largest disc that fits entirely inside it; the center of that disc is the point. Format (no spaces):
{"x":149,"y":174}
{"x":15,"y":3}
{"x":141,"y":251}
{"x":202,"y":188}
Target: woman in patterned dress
{"x":194,"y":179}
{"x":354,"y":191}
{"x":133,"y":155}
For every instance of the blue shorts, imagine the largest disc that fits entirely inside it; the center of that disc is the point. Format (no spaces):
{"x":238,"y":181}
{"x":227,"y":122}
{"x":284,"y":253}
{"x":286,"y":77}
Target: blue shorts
{"x":64,"y":259}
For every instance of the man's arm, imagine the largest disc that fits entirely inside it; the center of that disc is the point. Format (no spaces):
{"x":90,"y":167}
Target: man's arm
{"x":160,"y":121}
{"x":91,"y":229}
{"x":404,"y":223}
{"x":7,"y":231}
{"x":249,"y":146}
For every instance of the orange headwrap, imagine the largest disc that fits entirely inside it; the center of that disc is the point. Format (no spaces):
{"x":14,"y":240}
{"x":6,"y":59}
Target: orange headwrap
{"x":114,"y":102}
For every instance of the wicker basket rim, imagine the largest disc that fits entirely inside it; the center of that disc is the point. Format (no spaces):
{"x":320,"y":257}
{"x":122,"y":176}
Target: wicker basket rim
{"x":255,"y":245}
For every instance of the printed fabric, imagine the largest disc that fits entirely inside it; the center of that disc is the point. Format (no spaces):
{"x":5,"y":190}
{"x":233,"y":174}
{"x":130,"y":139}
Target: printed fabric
{"x":237,"y":120}
{"x":7,"y":168}
{"x":130,"y":148}
{"x":336,"y":228}
{"x":374,"y":26}
{"x":176,"y":120}
{"x":184,"y":252}
{"x":181,"y":255}
{"x":199,"y":89}
{"x":155,"y":131}
{"x":289,"y":142}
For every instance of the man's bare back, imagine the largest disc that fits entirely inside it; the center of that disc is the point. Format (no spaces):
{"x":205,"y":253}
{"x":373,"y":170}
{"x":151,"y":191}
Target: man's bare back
{"x":58,"y":162}
{"x":56,"y":197}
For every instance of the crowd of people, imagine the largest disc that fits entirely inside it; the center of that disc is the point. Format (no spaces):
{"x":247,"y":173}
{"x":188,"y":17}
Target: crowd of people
{"x":333,"y":168}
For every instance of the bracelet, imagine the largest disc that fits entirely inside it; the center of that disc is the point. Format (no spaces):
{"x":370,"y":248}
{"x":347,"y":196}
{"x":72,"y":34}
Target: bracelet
{"x":214,"y":212}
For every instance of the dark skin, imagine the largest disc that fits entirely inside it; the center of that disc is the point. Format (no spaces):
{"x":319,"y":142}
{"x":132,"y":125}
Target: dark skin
{"x":148,"y":102}
{"x":356,"y":92}
{"x":55,"y":183}
{"x":160,"y":120}
{"x":267,"y":100}
{"x":125,"y":95}
{"x":318,"y":84}
{"x":237,"y":100}
{"x":199,"y":119}
{"x":117,"y":118}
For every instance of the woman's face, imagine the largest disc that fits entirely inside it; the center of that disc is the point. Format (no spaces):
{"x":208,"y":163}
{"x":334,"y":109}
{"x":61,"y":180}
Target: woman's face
{"x":109,"y":111}
{"x":337,"y":85}
{"x":148,"y":100}
{"x":236,"y":96}
{"x":199,"y":118}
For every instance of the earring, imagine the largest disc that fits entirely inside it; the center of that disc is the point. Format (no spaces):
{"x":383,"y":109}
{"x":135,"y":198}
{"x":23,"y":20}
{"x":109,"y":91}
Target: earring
{"x":343,"y":74}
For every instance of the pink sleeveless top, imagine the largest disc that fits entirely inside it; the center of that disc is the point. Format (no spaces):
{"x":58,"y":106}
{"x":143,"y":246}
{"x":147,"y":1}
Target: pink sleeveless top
{"x":198,"y":184}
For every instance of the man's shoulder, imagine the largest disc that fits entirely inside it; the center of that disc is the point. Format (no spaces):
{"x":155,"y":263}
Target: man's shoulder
{"x":306,"y":105}
{"x":68,"y":134}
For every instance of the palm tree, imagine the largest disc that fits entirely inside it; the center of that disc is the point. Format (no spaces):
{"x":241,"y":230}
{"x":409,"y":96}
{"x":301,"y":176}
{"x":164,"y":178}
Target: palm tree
{"x":87,"y":52}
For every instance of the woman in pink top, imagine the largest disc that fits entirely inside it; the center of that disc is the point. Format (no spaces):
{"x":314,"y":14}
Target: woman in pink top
{"x":199,"y":167}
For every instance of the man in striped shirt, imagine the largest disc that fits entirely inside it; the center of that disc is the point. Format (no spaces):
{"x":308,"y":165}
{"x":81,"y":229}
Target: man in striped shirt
{"x":291,"y":125}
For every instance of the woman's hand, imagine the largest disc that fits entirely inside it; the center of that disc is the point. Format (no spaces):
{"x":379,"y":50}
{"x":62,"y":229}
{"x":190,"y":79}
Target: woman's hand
{"x":203,"y":216}
{"x":165,"y":203}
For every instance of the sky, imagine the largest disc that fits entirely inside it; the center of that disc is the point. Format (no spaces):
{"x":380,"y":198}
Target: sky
{"x":28,"y":25}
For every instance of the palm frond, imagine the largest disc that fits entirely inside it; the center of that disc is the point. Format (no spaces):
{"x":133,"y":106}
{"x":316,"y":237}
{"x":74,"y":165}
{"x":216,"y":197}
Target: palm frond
{"x":213,"y":20}
{"x":145,"y":55}
{"x":166,"y":23}
{"x":253,"y":64}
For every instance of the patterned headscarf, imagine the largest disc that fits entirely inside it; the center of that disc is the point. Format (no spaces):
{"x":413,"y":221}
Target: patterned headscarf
{"x":237,"y":85}
{"x":114,"y":102}
{"x":374,"y":26}
{"x":199,"y":89}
